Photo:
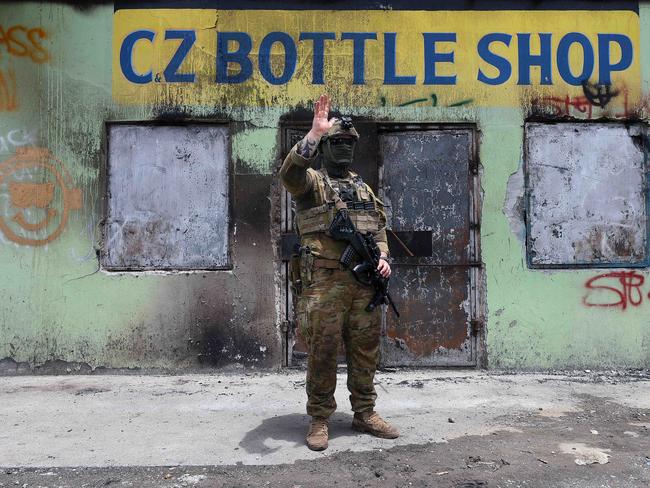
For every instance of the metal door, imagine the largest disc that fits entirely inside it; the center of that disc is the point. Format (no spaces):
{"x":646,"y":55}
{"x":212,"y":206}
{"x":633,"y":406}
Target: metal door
{"x":430,"y":186}
{"x":296,"y":348}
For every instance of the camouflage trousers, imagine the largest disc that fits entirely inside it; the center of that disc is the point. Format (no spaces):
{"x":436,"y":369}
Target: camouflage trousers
{"x":330,"y":310}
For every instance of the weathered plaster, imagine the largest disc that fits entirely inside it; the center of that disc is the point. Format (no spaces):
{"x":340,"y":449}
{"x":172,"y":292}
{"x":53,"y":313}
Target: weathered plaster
{"x":644,"y":14}
{"x":56,"y":304}
{"x":255,"y":150}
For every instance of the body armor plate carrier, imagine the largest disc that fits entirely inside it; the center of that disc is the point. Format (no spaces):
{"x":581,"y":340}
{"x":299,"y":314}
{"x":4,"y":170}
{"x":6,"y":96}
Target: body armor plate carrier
{"x":360,"y":201}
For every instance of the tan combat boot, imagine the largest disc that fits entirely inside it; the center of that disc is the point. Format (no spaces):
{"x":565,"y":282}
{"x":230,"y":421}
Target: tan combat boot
{"x":372,"y":423}
{"x":317,"y":435}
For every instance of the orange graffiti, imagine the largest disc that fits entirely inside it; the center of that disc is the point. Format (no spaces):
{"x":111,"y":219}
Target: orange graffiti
{"x":40,"y":208}
{"x":8,"y":100}
{"x":21,"y":42}
{"x":39,"y":195}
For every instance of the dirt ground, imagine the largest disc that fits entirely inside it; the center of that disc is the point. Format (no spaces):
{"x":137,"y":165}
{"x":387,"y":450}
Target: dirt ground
{"x":534,"y":451}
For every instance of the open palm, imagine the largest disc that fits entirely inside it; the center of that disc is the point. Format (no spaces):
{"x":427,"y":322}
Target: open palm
{"x":322,"y":123}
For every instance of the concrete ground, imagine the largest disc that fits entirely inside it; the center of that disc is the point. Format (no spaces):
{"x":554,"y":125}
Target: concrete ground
{"x":459,"y":429}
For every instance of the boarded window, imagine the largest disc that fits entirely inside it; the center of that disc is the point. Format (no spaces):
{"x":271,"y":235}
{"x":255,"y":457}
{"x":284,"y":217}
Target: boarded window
{"x":586,"y":195}
{"x":167,"y":197}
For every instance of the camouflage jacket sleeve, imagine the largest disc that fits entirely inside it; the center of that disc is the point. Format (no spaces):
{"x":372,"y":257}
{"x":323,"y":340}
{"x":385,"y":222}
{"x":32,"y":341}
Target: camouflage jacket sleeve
{"x":294,"y":175}
{"x":380,"y":235}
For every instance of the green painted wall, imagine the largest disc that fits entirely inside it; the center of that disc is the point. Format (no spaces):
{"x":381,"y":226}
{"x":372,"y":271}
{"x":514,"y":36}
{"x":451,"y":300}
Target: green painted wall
{"x":55,"y":304}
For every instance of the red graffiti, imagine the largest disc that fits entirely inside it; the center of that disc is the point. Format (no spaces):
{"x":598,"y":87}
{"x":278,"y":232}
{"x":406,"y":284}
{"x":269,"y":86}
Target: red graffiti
{"x":615,"y":289}
{"x":584,"y":107}
{"x":564,"y":106}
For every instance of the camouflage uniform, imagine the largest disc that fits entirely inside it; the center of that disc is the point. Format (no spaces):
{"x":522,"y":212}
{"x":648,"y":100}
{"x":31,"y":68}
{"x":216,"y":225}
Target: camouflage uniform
{"x":332,"y":304}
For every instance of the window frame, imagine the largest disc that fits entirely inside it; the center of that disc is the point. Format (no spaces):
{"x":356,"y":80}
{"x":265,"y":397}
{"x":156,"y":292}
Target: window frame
{"x":104,"y":184}
{"x":644,"y":131}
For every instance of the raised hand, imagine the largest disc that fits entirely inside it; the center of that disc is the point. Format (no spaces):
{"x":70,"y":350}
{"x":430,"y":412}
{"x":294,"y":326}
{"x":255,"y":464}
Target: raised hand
{"x":319,"y":127}
{"x":321,"y":123}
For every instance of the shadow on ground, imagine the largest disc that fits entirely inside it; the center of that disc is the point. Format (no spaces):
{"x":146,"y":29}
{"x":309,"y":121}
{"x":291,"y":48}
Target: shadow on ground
{"x":601,"y":443}
{"x":291,"y":429}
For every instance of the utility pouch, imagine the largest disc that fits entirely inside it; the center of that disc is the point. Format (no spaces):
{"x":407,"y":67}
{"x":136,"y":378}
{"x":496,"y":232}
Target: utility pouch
{"x":306,"y":265}
{"x":294,"y":271}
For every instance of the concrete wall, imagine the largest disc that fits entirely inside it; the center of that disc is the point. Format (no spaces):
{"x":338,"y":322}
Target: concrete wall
{"x":57,"y":92}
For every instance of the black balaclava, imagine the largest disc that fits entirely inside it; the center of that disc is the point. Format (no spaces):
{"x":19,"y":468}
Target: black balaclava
{"x":338,"y":152}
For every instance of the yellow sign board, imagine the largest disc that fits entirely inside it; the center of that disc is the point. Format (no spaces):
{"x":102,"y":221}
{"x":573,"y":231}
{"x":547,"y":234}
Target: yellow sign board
{"x":373,"y":57}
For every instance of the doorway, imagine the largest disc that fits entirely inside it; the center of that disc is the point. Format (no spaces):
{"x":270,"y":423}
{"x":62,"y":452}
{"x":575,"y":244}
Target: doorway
{"x":428,"y":177}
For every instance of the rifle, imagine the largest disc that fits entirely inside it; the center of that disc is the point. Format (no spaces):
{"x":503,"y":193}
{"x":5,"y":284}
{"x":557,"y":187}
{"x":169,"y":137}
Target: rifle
{"x":363,"y":248}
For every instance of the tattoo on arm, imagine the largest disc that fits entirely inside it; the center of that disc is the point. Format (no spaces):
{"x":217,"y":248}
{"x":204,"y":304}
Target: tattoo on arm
{"x":307,"y":147}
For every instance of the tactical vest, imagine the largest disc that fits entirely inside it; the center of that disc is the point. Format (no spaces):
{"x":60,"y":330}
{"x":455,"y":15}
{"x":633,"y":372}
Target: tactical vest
{"x":362,"y":209}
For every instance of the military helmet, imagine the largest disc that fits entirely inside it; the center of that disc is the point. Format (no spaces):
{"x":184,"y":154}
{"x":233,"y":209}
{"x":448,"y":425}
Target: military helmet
{"x":342,"y":128}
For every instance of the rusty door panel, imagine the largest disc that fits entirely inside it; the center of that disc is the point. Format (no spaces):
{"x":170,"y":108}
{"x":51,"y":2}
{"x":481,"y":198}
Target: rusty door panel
{"x":426,"y":185}
{"x":430,"y":188}
{"x":430,"y":299}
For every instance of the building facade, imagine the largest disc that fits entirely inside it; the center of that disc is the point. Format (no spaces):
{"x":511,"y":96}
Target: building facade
{"x":142,"y":223}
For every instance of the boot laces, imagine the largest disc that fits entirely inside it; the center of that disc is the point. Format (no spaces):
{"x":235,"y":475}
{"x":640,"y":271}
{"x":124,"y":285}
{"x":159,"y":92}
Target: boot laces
{"x":377,"y":421}
{"x":318,"y":427}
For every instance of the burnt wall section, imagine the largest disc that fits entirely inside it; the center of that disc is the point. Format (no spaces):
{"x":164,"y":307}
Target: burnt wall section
{"x":222,"y":318}
{"x":250,"y":336}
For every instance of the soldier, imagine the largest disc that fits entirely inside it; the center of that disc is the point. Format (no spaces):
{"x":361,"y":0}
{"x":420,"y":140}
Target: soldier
{"x":332,"y":304}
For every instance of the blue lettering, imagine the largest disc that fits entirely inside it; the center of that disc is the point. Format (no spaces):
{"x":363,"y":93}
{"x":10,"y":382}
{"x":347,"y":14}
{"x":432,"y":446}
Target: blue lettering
{"x":126,"y":57}
{"x":390,"y":76}
{"x":526,"y":60}
{"x":359,"y":46}
{"x":290,"y":57}
{"x":563,"y":64}
{"x":431,"y":57}
{"x":171,"y":71}
{"x":240,"y":57}
{"x":318,"y":59}
{"x":605,"y":67}
{"x":499,"y":62}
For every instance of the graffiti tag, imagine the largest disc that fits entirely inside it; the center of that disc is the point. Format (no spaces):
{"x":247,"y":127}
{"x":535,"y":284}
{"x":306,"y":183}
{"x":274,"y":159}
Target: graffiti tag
{"x":594,"y":101}
{"x":36,"y":196}
{"x":16,"y":138}
{"x":433,"y":99}
{"x":598,"y":95}
{"x":23,"y":42}
{"x":616,"y":289}
{"x":8,"y":89}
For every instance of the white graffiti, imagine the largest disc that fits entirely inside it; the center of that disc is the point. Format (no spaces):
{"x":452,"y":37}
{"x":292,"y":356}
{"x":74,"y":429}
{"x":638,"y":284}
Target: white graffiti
{"x":16,"y":138}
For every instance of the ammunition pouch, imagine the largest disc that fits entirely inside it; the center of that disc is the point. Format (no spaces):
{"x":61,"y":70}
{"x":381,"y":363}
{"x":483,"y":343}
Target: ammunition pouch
{"x":363,"y":215}
{"x":294,"y":271}
{"x":305,"y":263}
{"x":316,"y":219}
